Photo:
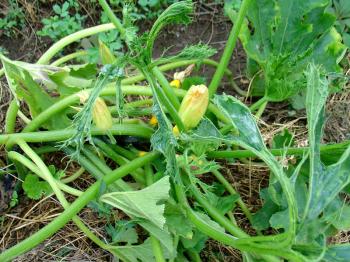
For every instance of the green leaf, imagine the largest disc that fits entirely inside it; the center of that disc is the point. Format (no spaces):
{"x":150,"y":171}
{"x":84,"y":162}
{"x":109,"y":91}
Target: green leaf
{"x":175,"y":14}
{"x":241,"y":118}
{"x":284,"y":37}
{"x":337,"y":213}
{"x":142,"y":204}
{"x":199,"y":52}
{"x":279,"y":220}
{"x":204,"y":138}
{"x":163,"y":235}
{"x":261,"y":219}
{"x":20,"y":77}
{"x":135,"y":253}
{"x":177,"y":221}
{"x":337,"y":253}
{"x":325,"y":182}
{"x":163,"y":140}
{"x":283,"y":139}
{"x":35,"y":188}
{"x":122,"y":232}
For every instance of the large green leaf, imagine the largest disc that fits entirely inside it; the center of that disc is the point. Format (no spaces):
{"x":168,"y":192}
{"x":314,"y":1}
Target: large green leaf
{"x":325,"y":183}
{"x":24,"y":79}
{"x":286,"y":37}
{"x":143,"y":204}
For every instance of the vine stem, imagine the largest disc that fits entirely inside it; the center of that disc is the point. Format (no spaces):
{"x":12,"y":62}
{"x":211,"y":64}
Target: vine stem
{"x":258,"y":104}
{"x":61,"y":135}
{"x":230,"y":46}
{"x":58,"y":46}
{"x":90,"y":194}
{"x":30,"y":165}
{"x":232,"y":191}
{"x":42,"y":171}
{"x":69,"y":57}
{"x":11,"y":115}
{"x":157,"y":249}
{"x":277,"y":152}
{"x":226,"y":239}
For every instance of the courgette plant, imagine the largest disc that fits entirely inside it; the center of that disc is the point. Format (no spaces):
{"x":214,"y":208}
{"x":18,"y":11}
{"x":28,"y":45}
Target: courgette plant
{"x":82,"y":110}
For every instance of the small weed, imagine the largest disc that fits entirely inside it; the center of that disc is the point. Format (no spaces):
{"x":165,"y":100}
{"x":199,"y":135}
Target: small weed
{"x":11,"y":19}
{"x":66,"y":20}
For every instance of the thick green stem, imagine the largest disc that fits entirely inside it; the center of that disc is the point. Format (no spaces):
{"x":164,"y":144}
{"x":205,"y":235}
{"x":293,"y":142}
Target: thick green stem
{"x":226,"y":239}
{"x":44,"y":172}
{"x":261,"y":110}
{"x":110,"y":153}
{"x":105,"y":169}
{"x":168,"y":90}
{"x":278,"y":152}
{"x":62,"y":135}
{"x":74,"y":208}
{"x":58,"y":46}
{"x":214,"y":213}
{"x":230,"y":46}
{"x":11,"y":114}
{"x":114,"y":19}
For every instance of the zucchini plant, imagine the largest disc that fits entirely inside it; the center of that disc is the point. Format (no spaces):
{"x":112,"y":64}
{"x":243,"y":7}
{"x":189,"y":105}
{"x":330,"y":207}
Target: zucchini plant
{"x":86,"y":112}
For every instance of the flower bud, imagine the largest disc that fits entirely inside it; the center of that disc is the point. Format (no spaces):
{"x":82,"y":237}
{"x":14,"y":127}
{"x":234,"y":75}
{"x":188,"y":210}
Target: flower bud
{"x":101,"y":115}
{"x":194,"y":105}
{"x":176,"y":83}
{"x":179,"y":77}
{"x":106,"y":55}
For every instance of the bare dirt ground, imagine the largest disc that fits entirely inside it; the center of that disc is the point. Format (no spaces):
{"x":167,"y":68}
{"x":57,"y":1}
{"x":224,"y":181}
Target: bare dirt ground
{"x":210,"y":27}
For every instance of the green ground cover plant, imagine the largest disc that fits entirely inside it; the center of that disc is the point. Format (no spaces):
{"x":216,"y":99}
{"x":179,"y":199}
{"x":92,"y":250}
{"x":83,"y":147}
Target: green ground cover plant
{"x":170,"y":212}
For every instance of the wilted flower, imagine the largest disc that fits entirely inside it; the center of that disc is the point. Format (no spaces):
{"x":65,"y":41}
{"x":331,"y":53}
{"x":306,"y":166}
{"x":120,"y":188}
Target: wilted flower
{"x":106,"y":54}
{"x":101,"y":115}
